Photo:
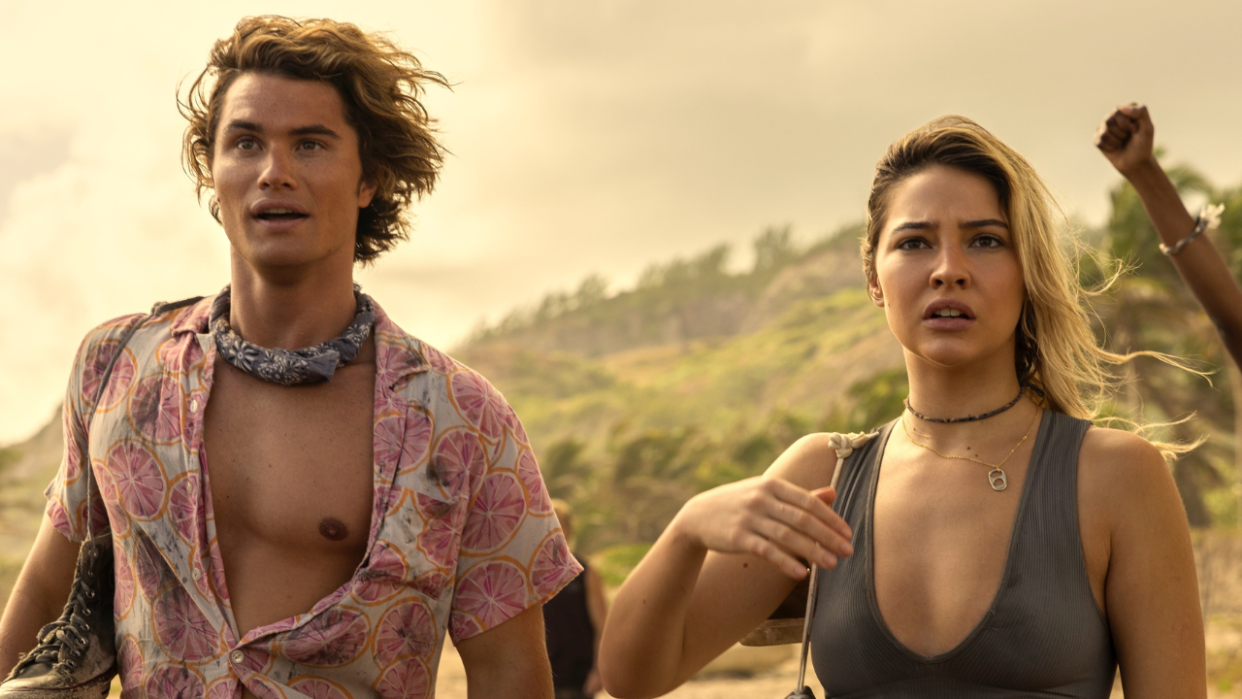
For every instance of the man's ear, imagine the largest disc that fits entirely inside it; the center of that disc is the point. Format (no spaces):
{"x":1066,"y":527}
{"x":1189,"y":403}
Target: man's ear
{"x":875,"y":292}
{"x":366,"y":191}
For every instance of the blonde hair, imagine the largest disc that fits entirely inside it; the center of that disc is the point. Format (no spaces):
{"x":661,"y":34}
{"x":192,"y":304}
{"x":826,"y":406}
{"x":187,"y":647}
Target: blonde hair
{"x":1056,"y":351}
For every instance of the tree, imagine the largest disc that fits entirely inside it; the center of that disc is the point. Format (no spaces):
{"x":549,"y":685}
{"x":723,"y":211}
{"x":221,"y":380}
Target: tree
{"x":1151,"y":309}
{"x":774,"y":248}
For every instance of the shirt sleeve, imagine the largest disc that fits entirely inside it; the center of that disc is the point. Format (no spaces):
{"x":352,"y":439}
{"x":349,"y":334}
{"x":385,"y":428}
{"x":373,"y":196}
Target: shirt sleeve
{"x":513,"y":554}
{"x":67,"y":494}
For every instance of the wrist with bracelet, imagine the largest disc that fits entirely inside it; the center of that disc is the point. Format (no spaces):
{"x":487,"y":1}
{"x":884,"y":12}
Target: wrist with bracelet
{"x":1208,"y":219}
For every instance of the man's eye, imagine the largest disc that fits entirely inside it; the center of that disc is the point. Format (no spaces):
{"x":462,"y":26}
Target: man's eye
{"x":310,"y":145}
{"x":246,"y":144}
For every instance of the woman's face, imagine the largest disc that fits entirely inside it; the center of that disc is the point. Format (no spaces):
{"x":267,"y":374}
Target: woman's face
{"x":947,"y":274}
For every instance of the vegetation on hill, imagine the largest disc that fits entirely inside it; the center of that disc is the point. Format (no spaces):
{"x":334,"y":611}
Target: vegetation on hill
{"x":25,"y":470}
{"x":647,"y":428}
{"x":674,"y":302}
{"x":698,"y":376}
{"x":1152,"y":309}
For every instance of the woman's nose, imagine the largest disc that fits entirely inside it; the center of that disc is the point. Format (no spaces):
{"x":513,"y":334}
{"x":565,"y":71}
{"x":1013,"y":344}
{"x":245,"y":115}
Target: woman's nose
{"x":951,"y":269}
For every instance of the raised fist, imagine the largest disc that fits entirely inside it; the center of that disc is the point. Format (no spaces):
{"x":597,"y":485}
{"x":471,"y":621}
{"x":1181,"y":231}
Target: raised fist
{"x":1126,"y":138}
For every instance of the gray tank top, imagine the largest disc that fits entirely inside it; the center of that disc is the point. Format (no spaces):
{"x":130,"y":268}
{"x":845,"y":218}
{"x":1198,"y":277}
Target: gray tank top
{"x":1044,"y":635}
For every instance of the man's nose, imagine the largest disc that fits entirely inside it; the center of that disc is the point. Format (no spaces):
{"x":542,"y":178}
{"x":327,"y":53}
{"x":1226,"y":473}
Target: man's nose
{"x":951,"y":270}
{"x":277,"y":172}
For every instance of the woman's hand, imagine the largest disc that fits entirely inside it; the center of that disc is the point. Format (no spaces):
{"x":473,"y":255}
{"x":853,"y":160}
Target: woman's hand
{"x":768,"y":517}
{"x":724,"y":563}
{"x":1126,"y":139}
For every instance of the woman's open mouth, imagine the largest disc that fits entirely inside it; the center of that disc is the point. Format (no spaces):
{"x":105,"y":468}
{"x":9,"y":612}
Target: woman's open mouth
{"x":948,"y":314}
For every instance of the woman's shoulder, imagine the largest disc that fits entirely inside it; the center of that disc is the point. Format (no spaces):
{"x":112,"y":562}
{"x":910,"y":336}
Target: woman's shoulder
{"x":1113,"y":452}
{"x":809,"y":462}
{"x":1119,"y":472}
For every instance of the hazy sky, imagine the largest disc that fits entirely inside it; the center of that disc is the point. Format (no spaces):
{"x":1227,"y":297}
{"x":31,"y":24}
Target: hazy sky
{"x":587,"y":136}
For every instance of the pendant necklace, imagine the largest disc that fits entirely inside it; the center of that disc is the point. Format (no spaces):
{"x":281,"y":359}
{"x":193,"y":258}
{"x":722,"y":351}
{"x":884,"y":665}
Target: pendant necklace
{"x":997,"y":475}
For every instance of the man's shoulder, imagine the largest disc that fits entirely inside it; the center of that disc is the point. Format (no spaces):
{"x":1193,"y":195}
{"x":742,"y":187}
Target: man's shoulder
{"x":400,"y":351}
{"x":142,"y":334}
{"x":112,"y":329}
{"x":189,"y":315}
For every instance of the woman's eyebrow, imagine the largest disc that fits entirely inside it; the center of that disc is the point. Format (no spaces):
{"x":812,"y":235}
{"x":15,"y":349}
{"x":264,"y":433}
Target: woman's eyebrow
{"x":985,"y":222}
{"x":914,"y":226}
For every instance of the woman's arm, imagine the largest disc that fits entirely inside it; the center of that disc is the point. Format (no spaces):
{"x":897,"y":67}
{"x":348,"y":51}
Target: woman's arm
{"x":1136,"y":534}
{"x":1126,"y":139}
{"x":723,"y":565}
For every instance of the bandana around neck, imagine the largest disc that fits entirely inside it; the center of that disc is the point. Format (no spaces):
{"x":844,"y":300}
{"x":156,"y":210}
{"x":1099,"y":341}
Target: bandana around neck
{"x":290,"y":367}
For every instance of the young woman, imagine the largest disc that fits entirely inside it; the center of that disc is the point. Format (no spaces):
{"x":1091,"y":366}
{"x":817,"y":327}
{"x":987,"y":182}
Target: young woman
{"x":1126,"y":139}
{"x":991,"y":542}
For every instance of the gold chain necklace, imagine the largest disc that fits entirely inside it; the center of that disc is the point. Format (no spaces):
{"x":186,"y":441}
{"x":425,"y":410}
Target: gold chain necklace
{"x":997,"y":475}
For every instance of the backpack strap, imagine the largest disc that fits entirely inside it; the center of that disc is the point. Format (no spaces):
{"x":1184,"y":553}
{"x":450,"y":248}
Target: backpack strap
{"x":86,"y":451}
{"x":843,"y":445}
{"x":164,"y":307}
{"x":158,"y":308}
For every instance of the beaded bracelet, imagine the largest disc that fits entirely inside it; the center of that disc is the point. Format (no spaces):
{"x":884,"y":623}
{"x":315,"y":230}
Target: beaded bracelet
{"x":1208,"y":218}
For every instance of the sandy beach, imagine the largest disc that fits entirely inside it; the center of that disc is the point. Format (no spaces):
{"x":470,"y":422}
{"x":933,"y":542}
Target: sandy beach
{"x":772,"y":684}
{"x":1224,"y":641}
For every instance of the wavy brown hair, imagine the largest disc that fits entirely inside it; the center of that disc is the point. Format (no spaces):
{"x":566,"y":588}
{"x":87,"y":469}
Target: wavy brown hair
{"x":381,"y":86}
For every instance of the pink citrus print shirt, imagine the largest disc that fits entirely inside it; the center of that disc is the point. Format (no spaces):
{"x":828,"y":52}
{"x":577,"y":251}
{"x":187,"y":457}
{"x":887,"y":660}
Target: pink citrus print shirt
{"x":462,"y":533}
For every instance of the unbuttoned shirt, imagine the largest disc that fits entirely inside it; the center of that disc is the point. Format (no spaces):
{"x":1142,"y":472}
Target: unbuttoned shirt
{"x":462,"y":532}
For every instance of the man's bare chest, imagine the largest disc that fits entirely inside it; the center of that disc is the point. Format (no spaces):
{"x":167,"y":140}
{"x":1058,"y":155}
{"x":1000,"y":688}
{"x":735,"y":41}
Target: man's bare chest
{"x":292,"y":466}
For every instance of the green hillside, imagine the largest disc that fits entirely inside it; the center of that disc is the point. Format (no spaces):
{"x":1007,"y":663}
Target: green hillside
{"x":698,"y":376}
{"x":629,"y":427}
{"x":803,"y":362}
{"x":25,"y":470}
{"x":639,"y":431}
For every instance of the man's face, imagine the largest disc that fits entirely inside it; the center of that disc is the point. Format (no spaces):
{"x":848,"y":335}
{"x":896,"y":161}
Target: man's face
{"x":287,"y":173}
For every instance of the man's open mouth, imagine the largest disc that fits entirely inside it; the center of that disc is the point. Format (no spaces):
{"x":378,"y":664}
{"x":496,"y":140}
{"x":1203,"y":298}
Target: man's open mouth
{"x":279,"y":215}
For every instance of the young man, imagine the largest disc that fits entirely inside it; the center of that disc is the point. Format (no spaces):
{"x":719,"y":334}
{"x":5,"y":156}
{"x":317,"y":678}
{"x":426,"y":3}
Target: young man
{"x":298,"y":522}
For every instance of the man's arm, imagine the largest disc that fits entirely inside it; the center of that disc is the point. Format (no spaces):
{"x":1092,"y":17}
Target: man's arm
{"x":1126,"y":138}
{"x":509,"y":660}
{"x":40,"y":593}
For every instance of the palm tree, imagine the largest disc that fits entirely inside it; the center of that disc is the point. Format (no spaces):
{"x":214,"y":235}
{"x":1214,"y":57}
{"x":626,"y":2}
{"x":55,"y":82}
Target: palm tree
{"x":1151,"y":309}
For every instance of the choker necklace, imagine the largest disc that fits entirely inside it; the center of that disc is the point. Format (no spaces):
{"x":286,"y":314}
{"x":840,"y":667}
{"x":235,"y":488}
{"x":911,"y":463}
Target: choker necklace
{"x":997,"y":475}
{"x":290,"y":367}
{"x":968,"y":418}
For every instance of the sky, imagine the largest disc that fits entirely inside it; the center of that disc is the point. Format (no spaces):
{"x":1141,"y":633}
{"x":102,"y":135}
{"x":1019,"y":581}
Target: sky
{"x":587,"y":137}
